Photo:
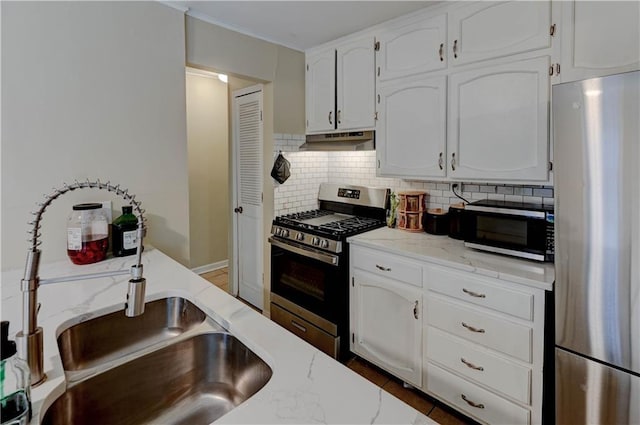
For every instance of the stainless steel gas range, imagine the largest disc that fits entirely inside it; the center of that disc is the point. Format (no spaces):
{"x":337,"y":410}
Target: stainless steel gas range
{"x":310,"y":263}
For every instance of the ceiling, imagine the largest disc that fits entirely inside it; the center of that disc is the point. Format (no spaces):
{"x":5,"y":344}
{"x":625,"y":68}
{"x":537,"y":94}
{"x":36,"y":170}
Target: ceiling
{"x":298,"y":25}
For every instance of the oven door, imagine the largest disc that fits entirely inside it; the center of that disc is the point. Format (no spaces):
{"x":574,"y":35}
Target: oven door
{"x":314,"y":280}
{"x":515,"y":235}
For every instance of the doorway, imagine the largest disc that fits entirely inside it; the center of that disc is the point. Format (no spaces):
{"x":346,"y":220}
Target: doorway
{"x":207,"y":109}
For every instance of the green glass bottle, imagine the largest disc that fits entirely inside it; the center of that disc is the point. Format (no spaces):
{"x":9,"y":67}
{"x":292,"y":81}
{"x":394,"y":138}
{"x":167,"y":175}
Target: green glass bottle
{"x":125,"y":233}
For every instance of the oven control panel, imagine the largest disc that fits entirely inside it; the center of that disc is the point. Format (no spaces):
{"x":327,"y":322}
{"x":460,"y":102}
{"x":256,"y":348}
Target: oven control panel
{"x":348,"y":193}
{"x":306,"y":239}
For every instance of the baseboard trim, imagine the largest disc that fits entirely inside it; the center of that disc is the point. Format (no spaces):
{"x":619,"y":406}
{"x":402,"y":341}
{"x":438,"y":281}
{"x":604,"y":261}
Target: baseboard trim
{"x":210,"y":267}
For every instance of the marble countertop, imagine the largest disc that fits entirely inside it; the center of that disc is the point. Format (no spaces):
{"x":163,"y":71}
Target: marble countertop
{"x":307,"y":386}
{"x":450,"y":252}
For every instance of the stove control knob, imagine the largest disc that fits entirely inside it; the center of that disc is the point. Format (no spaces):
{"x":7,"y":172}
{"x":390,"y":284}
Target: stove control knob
{"x":300,"y":236}
{"x":278,"y":231}
{"x":324,"y":243}
{"x":285,"y":233}
{"x":315,"y":241}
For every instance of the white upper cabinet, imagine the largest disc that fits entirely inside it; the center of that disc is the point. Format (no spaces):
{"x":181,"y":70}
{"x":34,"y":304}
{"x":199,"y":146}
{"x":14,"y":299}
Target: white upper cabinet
{"x":412,"y":48}
{"x":486,"y":30}
{"x":498,"y":122}
{"x":320,"y":90}
{"x":340,"y":87}
{"x":411,"y":132}
{"x":356,"y":84}
{"x":599,"y":38}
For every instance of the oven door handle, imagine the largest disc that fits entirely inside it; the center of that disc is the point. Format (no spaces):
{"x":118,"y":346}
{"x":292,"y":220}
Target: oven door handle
{"x":320,"y":256}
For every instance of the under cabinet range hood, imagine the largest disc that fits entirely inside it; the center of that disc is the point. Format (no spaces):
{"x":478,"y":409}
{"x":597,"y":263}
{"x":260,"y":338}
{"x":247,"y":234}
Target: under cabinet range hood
{"x":351,"y":141}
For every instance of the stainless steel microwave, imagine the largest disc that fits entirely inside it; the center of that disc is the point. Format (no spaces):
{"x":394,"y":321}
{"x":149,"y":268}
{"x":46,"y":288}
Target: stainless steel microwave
{"x":524,"y":230}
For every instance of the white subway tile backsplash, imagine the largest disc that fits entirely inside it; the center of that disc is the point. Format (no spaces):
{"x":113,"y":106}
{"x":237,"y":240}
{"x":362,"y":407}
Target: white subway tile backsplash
{"x":309,"y":169}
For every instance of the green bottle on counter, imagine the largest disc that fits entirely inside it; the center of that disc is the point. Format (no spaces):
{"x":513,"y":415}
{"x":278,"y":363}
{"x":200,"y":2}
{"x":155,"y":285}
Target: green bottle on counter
{"x":125,"y":233}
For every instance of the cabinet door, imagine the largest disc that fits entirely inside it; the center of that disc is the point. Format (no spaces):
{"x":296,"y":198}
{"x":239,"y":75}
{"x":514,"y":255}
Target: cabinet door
{"x":320,"y":89}
{"x":485,"y":30}
{"x":413,"y":48}
{"x":599,"y":38}
{"x":498,"y":122}
{"x":356,"y":85}
{"x":386,"y":324}
{"x":411,"y":132}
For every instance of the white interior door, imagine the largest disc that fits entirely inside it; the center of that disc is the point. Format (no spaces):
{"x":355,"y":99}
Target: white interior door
{"x":248,"y":148}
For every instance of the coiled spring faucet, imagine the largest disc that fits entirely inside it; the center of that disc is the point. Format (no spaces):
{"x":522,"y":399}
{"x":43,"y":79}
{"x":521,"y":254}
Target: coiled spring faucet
{"x":29,"y":339}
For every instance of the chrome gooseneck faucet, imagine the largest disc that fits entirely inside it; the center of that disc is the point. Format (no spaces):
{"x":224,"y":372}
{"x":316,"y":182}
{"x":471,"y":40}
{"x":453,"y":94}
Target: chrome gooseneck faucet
{"x":29,"y":339}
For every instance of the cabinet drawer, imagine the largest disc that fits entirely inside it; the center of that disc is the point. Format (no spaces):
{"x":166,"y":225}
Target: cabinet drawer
{"x":468,"y":360}
{"x":475,"y":401}
{"x":387,"y":265}
{"x":307,"y":331}
{"x":480,"y":291}
{"x":482,"y":328}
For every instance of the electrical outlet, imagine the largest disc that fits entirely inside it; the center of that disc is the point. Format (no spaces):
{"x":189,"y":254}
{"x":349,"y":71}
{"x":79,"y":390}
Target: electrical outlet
{"x":106,"y":209}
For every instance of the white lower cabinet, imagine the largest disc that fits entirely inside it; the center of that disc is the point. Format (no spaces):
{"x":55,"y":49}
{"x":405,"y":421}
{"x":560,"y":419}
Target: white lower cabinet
{"x":386,"y":320}
{"x":477,"y":343}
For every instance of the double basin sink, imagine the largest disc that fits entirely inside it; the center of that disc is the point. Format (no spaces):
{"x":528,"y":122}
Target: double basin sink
{"x":171,"y":365}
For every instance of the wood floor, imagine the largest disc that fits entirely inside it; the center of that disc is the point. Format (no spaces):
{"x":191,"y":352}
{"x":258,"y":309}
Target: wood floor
{"x":416,"y":399}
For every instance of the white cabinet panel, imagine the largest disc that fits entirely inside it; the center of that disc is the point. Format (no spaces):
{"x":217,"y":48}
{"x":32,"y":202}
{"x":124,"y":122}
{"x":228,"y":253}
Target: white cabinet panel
{"x":320,"y":82}
{"x":479,"y":327}
{"x":599,"y":38}
{"x":498,"y":122}
{"x":386,"y":323}
{"x":481,"y":291}
{"x":411,"y":132}
{"x":486,"y":30}
{"x":356,"y":85}
{"x":471,"y":362}
{"x":388,"y":265}
{"x":413,"y":48}
{"x":473,"y":400}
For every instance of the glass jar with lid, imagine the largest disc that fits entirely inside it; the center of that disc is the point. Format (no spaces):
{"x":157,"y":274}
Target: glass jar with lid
{"x":87,"y":234}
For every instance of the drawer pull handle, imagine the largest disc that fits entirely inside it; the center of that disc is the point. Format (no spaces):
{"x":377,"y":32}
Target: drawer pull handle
{"x":472,"y":329}
{"x":299,"y":326}
{"x":471,"y":403}
{"x":384,"y":269}
{"x":473,"y":294}
{"x":471,"y":365}
{"x":415,"y":310}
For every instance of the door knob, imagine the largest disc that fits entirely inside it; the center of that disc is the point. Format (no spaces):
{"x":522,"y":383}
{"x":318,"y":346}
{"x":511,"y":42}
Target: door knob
{"x":238,"y":210}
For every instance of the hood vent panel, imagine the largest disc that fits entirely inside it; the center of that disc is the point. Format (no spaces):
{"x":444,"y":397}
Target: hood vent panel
{"x":351,"y":141}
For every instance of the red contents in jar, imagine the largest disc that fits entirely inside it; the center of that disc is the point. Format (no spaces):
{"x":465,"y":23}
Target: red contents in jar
{"x":91,"y":251}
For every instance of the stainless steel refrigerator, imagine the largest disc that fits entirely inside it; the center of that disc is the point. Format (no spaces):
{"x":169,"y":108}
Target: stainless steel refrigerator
{"x":596,"y":141}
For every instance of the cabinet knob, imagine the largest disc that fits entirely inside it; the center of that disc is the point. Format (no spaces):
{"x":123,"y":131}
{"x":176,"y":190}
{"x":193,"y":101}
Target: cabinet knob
{"x":453,"y":161}
{"x":441,"y":52}
{"x":415,"y":310}
{"x":238,"y":210}
{"x":331,"y":117}
{"x":338,"y":116}
{"x":441,"y":162}
{"x":455,"y":49}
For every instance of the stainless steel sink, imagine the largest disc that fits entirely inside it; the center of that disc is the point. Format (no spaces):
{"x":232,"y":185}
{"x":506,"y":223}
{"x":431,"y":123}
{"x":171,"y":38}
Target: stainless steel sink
{"x":112,"y":336}
{"x":193,"y":381}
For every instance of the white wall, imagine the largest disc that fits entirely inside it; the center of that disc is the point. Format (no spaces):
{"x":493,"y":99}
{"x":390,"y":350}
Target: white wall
{"x":93,"y":90}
